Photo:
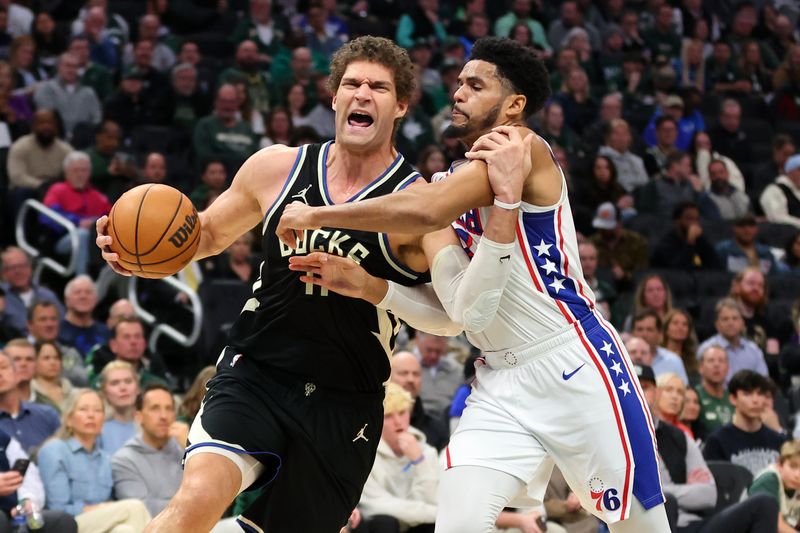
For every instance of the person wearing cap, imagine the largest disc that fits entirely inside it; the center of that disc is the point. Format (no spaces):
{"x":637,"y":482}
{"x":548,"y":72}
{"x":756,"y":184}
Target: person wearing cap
{"x":781,"y":481}
{"x":689,"y":483}
{"x":75,"y":103}
{"x":742,"y":250}
{"x":127,"y":107}
{"x":688,"y":123}
{"x":781,"y":199}
{"x":722,"y":200}
{"x":621,"y":250}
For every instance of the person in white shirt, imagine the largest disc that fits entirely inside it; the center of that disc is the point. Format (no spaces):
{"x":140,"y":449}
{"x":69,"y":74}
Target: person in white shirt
{"x":781,"y":199}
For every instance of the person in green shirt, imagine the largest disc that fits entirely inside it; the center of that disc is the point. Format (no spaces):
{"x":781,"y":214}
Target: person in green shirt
{"x":112,"y":171}
{"x":782,"y":481}
{"x":93,"y":75}
{"x":222,"y":135}
{"x":266,"y":30}
{"x":716,"y":409}
{"x":247,"y":70}
{"x":662,"y":39}
{"x":214,"y":181}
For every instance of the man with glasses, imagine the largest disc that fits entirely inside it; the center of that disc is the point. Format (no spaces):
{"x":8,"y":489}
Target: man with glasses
{"x":21,"y":292}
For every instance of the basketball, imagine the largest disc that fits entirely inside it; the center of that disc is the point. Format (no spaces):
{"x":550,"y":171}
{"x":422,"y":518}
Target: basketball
{"x":155,"y":230}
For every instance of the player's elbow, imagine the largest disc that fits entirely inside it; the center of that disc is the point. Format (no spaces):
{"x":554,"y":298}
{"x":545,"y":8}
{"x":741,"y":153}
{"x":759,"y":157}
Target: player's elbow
{"x":450,"y":329}
{"x":433,"y":218}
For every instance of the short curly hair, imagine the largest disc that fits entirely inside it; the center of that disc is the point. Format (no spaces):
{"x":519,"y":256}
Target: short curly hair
{"x":518,"y":68}
{"x":377,"y":50}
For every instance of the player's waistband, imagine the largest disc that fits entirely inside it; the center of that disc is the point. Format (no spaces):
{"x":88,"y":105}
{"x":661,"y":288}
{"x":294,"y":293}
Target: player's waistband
{"x":542,"y":346}
{"x":261,"y":375}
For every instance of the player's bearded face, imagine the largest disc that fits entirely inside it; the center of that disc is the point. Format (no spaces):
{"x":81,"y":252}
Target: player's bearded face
{"x":477,"y":102}
{"x":472,"y":125}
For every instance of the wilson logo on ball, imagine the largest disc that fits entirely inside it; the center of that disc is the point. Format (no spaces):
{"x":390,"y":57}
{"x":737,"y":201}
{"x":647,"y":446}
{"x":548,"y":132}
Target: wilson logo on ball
{"x":183,"y":233}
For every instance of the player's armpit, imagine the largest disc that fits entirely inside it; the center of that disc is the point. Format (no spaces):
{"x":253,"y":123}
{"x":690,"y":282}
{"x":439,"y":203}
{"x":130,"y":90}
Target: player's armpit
{"x":237,"y":210}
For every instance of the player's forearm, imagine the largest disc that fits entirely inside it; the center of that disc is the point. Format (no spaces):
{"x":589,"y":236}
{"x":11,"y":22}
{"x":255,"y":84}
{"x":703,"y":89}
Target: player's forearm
{"x":418,"y":306}
{"x":410,"y":211}
{"x":209,"y":242}
{"x":502,"y":226}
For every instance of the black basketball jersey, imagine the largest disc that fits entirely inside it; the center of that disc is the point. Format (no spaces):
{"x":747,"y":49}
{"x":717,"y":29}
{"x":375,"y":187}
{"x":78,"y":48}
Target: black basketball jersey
{"x":305,"y":330}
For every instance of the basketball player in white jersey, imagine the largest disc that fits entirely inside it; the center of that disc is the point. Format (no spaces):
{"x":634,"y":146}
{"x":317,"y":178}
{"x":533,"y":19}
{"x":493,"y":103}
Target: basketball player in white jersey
{"x":555,"y":384}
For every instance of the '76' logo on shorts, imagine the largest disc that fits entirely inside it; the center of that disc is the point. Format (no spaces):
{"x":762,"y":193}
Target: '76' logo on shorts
{"x":606,"y":497}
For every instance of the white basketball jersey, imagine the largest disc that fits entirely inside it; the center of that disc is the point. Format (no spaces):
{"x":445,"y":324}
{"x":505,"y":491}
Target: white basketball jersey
{"x":546,"y":292}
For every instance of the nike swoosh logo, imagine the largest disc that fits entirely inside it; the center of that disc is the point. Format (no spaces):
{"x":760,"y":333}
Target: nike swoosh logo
{"x":567,"y":376}
{"x":505,"y":258}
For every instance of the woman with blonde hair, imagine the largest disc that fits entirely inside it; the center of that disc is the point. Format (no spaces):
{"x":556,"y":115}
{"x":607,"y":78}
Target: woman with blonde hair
{"x":76,"y":472}
{"x":119,"y":385}
{"x":670,"y":395}
{"x":678,"y":335}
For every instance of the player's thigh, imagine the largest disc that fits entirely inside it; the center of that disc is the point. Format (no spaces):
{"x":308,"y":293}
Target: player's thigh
{"x":238,"y":423}
{"x":472,"y":497}
{"x":489,"y":436}
{"x":305,"y":496}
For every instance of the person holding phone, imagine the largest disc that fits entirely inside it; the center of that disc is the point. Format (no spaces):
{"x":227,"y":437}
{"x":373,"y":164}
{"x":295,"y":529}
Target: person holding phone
{"x":19,"y":481}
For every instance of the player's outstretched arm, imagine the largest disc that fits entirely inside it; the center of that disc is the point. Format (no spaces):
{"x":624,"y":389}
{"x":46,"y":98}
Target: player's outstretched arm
{"x":415,"y":210}
{"x":470,"y":291}
{"x":242,"y":205}
{"x":418,"y":306}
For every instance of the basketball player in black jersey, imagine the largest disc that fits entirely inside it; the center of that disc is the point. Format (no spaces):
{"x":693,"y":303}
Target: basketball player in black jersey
{"x":296,"y":405}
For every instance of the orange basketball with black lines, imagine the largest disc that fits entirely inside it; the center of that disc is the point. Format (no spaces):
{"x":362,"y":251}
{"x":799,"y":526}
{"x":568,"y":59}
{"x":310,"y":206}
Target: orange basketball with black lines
{"x":155,"y":230}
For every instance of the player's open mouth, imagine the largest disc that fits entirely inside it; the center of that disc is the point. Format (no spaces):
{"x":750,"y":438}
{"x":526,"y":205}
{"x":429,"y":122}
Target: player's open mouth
{"x":359,"y":120}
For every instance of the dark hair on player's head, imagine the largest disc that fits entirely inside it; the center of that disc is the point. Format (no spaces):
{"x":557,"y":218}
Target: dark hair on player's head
{"x":748,"y":381}
{"x":518,"y":67}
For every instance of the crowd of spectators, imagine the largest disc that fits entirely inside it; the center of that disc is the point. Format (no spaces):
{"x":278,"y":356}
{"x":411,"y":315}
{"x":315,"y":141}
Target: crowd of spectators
{"x":676,"y":123}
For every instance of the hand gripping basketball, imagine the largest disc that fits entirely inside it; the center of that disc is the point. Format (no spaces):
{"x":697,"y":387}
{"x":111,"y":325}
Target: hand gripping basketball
{"x":153,"y":231}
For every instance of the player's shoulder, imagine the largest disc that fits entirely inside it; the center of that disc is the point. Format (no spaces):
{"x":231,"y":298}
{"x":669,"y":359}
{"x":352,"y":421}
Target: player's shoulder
{"x":274,"y":162}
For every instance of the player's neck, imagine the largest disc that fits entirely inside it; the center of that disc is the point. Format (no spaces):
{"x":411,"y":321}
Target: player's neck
{"x":348,"y":170}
